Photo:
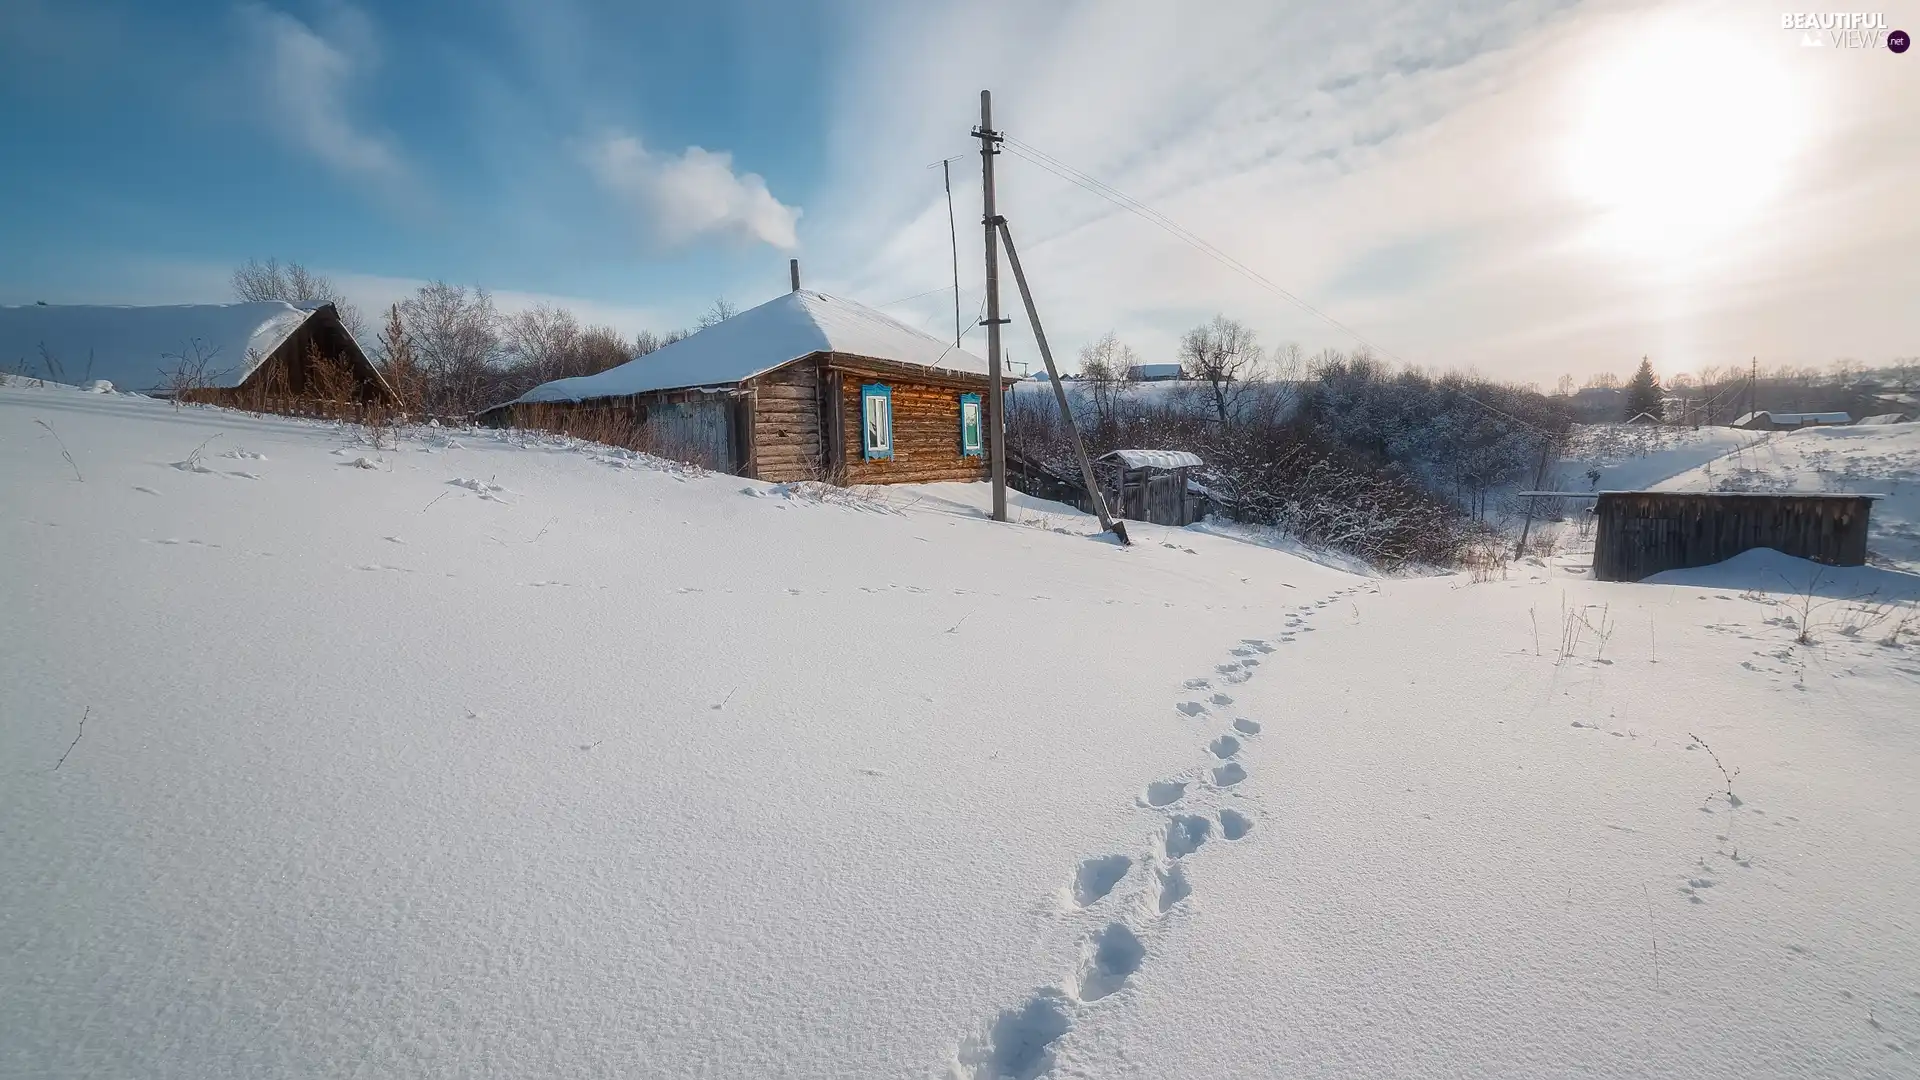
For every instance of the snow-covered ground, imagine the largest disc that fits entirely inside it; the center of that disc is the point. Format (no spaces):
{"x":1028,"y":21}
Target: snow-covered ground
{"x":494,"y":755}
{"x":1632,"y":457}
{"x":1882,"y":459}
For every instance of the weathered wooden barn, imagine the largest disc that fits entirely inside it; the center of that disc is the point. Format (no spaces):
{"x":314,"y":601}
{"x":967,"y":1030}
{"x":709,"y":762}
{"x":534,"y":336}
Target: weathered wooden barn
{"x":1641,"y":533}
{"x":805,"y":386}
{"x":265,"y":355}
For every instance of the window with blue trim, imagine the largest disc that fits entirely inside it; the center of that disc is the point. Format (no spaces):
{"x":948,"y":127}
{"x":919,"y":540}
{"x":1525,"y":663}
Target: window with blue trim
{"x":970,"y":425}
{"x":876,"y":421}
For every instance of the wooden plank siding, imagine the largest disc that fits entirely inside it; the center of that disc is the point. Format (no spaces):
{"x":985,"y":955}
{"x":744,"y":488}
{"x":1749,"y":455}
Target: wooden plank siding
{"x":1640,"y":533}
{"x":799,"y":421}
{"x":926,"y":425}
{"x":787,"y":443}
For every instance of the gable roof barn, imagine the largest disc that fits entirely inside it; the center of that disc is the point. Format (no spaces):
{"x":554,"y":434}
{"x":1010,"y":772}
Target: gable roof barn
{"x":787,"y":328}
{"x":147,"y":349}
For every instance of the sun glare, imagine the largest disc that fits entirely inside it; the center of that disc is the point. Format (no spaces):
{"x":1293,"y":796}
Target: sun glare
{"x":1681,"y":139}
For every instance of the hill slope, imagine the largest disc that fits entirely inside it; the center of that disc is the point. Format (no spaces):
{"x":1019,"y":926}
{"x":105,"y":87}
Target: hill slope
{"x":503,"y":756}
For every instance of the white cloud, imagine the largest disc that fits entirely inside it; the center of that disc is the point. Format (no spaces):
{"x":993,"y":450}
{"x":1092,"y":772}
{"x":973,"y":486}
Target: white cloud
{"x":308,"y":80}
{"x":693,"y":194}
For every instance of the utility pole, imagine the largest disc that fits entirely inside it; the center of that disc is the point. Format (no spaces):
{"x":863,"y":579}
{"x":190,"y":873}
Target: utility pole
{"x":1060,"y":394}
{"x":953,"y":239}
{"x":996,"y":393}
{"x":1753,"y":378}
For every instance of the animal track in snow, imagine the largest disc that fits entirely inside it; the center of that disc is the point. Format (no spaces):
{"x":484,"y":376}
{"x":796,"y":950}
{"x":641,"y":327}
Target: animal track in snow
{"x":1191,"y":708}
{"x":1229,"y":774}
{"x":1097,"y":877}
{"x":1234,"y":824}
{"x":1221,"y":699}
{"x":1246,"y":727}
{"x":1019,"y":1046}
{"x":1257,"y":645}
{"x":1185,"y":834}
{"x":1164,"y":792}
{"x":1241,"y":651}
{"x":1112,"y":955}
{"x":1196,"y":684}
{"x":1224,"y":747}
{"x":1170,"y":887}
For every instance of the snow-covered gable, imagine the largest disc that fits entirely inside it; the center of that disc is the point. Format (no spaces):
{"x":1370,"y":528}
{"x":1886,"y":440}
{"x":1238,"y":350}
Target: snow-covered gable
{"x":137,"y":348}
{"x":763,"y":338}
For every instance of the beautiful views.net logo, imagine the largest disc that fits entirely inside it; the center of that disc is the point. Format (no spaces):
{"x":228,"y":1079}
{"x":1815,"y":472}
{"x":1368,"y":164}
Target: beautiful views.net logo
{"x":1845,"y":30}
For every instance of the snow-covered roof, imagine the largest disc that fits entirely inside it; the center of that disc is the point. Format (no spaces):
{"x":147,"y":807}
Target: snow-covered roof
{"x":137,"y":348}
{"x":760,"y":339}
{"x":1885,"y":418}
{"x":1154,"y":459}
{"x":1795,"y":417}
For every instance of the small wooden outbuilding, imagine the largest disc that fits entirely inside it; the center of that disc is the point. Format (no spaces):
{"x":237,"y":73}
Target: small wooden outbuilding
{"x":804,"y":387}
{"x":1640,"y":533}
{"x":268,"y":355}
{"x":1151,"y":485}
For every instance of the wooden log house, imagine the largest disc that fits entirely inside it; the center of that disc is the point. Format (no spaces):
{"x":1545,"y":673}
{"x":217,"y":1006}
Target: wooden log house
{"x":267,"y":355}
{"x":804,"y":387}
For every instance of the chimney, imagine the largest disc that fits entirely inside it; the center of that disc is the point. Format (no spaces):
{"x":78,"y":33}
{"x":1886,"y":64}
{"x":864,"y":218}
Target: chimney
{"x":793,"y":271}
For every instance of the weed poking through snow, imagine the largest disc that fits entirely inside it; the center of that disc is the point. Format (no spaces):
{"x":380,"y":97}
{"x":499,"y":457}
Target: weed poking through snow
{"x":63,"y":449}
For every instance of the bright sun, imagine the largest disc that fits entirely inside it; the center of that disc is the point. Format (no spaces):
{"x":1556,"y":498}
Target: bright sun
{"x":1681,"y":139}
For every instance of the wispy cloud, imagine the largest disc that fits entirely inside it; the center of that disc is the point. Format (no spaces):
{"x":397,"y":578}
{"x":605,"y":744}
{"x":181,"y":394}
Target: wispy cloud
{"x":308,"y":80}
{"x":1401,"y":165}
{"x":696,"y":193}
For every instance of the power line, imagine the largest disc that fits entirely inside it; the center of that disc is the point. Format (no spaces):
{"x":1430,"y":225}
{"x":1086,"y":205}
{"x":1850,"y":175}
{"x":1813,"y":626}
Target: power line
{"x":1126,"y":202}
{"x":1051,"y":164}
{"x":916,"y":296}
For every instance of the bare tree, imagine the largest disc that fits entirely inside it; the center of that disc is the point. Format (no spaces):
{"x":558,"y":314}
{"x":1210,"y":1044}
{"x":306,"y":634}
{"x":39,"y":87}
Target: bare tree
{"x":1224,"y":354}
{"x":540,"y":340}
{"x":721,"y":311}
{"x":1106,"y":367}
{"x":295,"y":284}
{"x":455,"y":336}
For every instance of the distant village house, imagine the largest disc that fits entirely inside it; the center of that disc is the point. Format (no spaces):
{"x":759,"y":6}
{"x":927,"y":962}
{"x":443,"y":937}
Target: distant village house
{"x":1154,"y":372}
{"x":1764,"y":420}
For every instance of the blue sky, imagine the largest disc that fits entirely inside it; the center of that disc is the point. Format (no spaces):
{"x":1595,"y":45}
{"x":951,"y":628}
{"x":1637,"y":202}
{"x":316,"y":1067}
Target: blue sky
{"x":1526,"y":188}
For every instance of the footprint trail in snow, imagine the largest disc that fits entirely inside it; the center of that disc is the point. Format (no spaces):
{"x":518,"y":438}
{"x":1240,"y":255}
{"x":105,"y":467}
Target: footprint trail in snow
{"x":1020,"y":1043}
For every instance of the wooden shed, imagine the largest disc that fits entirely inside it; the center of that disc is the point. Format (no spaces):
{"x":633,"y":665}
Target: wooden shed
{"x":267,"y":355}
{"x":804,"y":387}
{"x":1641,"y":533}
{"x":1151,"y":485}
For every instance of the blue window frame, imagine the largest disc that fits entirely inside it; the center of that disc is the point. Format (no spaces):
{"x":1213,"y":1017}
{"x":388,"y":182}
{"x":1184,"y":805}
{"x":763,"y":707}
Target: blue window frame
{"x":876,"y":422}
{"x":970,"y":425}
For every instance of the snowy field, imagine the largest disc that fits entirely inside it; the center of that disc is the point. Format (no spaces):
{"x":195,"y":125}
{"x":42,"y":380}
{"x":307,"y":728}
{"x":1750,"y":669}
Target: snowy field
{"x":488,"y":755}
{"x":1881,"y":459}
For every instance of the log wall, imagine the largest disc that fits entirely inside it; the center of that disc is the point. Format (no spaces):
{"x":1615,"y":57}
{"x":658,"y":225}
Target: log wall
{"x":787,"y":442}
{"x":926,"y":433}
